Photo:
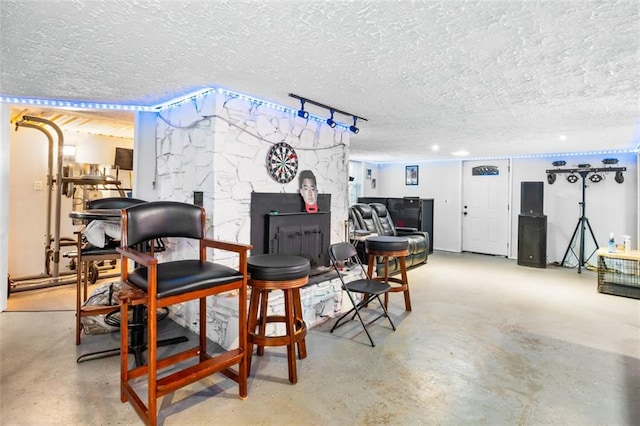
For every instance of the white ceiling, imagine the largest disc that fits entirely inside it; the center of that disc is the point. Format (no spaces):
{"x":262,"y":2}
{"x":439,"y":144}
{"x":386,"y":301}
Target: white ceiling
{"x":494,"y":78}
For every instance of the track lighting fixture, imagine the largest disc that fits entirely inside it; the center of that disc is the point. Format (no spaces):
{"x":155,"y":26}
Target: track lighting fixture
{"x":353,"y":128}
{"x":302,"y":113}
{"x":330,"y":121}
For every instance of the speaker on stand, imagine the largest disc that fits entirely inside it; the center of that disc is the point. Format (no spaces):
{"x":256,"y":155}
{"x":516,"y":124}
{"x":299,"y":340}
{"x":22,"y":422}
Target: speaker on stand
{"x":532,"y":226}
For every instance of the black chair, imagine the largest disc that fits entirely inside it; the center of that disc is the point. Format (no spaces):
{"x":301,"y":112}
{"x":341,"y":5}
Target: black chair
{"x":375,"y":218}
{"x":87,"y":259}
{"x":418,"y":240}
{"x":155,"y":283}
{"x":345,"y":254}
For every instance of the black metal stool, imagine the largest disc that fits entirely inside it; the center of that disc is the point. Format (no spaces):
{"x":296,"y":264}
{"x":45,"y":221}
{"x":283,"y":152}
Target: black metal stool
{"x":389,"y":247}
{"x":277,"y":272}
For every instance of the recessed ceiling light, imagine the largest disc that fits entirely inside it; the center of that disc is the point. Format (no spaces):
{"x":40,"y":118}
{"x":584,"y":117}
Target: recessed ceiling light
{"x":563,"y":137}
{"x":435,"y":148}
{"x":460,"y":153}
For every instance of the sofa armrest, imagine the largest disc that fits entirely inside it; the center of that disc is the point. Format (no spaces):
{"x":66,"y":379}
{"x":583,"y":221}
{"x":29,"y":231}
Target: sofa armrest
{"x":406,"y":230}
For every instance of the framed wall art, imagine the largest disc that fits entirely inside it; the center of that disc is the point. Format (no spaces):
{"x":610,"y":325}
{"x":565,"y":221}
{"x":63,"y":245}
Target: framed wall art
{"x":411,"y":175}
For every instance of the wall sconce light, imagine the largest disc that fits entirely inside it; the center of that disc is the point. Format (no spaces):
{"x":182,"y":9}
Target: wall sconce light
{"x":353,"y":128}
{"x":330,"y":121}
{"x":302,"y":113}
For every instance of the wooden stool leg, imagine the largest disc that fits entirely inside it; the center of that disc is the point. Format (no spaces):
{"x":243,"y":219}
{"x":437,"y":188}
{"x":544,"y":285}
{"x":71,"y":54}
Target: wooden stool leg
{"x":386,"y":279}
{"x":289,"y":314}
{"x":78,"y":302}
{"x":252,"y":323}
{"x":298,"y":315}
{"x":405,"y":280}
{"x":262,"y":321}
{"x":124,"y":350}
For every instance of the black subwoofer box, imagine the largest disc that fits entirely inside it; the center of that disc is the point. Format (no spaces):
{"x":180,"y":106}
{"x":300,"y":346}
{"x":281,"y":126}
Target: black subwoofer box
{"x":532,"y":241}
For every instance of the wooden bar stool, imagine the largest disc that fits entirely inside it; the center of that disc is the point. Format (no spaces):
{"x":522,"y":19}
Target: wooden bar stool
{"x":277,"y":272}
{"x":389,"y":247}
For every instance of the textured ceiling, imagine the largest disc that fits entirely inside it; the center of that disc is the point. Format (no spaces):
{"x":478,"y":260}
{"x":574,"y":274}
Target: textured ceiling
{"x":494,"y":78}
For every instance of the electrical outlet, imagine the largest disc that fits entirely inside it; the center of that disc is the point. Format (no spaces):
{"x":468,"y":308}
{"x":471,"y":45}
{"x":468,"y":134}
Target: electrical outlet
{"x":37,"y":185}
{"x":198,"y":198}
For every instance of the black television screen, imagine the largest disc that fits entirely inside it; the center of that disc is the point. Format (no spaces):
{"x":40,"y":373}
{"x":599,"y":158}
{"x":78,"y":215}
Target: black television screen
{"x":124,"y":158}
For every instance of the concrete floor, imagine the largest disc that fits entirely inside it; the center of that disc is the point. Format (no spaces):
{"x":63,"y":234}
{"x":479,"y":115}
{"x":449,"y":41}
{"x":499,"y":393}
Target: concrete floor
{"x":488,"y":343}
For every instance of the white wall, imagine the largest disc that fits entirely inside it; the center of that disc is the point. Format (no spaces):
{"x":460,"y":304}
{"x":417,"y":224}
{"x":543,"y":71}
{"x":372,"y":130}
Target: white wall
{"x":438,"y":180}
{"x":4,"y":202}
{"x":611,"y":207}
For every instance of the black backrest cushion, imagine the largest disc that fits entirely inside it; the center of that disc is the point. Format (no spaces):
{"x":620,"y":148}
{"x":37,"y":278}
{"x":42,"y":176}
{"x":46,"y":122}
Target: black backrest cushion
{"x":385,"y":223}
{"x":160,"y":219}
{"x":113,"y":203}
{"x":364,"y":215}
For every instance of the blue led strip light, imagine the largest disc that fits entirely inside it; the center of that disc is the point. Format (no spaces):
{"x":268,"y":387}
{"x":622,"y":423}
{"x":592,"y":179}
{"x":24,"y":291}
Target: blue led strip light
{"x":514,"y":157}
{"x":157,"y":107}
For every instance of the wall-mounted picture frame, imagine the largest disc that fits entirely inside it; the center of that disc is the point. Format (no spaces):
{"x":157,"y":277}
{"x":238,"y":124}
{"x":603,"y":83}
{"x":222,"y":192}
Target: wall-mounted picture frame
{"x":411,"y":175}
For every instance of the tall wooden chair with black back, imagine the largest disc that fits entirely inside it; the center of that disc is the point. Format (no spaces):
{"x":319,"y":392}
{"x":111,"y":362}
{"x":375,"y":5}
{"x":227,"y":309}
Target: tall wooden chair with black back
{"x":87,"y":258}
{"x":156,"y":283}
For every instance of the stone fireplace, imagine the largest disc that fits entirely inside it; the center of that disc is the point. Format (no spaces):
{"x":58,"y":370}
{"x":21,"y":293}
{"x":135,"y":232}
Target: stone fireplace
{"x":218,"y":145}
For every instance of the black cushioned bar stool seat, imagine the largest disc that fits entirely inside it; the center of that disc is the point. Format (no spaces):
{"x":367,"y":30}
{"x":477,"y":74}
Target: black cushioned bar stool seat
{"x":389,"y":247}
{"x":277,"y":272}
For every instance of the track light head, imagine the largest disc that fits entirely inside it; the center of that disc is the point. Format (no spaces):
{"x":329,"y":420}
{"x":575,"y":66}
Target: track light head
{"x":619,"y":178}
{"x":551,"y":178}
{"x":596,"y":177}
{"x":572,"y":178}
{"x":353,"y":128}
{"x":302,"y":113}
{"x":330,"y":121}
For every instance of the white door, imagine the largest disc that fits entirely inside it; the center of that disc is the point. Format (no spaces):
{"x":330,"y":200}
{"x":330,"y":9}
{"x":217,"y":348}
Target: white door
{"x":485,"y":207}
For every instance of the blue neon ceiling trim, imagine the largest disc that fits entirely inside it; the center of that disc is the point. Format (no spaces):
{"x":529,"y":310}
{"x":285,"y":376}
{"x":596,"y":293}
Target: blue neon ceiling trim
{"x":159,"y":107}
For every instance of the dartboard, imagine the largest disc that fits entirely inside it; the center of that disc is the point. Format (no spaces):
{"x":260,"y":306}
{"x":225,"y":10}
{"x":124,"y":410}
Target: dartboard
{"x":282,"y":162}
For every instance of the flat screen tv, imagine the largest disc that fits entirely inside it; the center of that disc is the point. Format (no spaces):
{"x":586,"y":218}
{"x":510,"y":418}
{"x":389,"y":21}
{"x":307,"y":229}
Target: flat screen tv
{"x":124,"y":158}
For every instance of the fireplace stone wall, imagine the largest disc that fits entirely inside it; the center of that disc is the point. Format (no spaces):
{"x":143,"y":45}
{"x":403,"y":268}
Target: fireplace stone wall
{"x":218,"y":144}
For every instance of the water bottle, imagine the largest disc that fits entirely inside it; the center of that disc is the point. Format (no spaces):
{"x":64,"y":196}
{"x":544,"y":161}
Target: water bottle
{"x":612,"y":244}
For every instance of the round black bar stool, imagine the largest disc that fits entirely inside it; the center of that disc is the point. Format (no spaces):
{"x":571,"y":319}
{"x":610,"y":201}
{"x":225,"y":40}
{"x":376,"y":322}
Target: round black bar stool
{"x":389,"y":247}
{"x":277,"y":272}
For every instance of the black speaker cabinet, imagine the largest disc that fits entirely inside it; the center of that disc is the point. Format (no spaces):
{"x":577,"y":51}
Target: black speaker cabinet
{"x":426,"y":219}
{"x":531,"y":198}
{"x":532,"y":241}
